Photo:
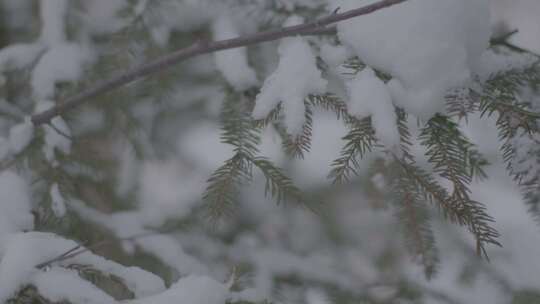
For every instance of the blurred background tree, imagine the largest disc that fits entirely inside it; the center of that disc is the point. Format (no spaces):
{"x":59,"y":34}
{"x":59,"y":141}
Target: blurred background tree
{"x":172,"y":174}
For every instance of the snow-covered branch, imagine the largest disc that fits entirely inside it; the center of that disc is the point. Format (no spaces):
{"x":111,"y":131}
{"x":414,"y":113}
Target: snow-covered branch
{"x":317,"y":27}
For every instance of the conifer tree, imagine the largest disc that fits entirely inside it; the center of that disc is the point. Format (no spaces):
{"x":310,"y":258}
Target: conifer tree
{"x":171,"y":151}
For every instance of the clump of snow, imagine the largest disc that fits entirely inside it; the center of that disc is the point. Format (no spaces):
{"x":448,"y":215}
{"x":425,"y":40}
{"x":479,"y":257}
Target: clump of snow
{"x":313,"y":170}
{"x":379,"y":181}
{"x":127,"y":224}
{"x":492,"y":63}
{"x":53,"y":13}
{"x":142,"y":283}
{"x":53,"y":139}
{"x":61,"y":63}
{"x":165,"y":190}
{"x":17,"y":264}
{"x":191,"y":290}
{"x":26,"y":250}
{"x":295,"y":78}
{"x":369,"y":96}
{"x":58,"y":203}
{"x":18,"y":56}
{"x":15,"y":206}
{"x":58,"y":285}
{"x":428,"y":46}
{"x":233,"y":64}
{"x":179,"y":15}
{"x":101,"y":16}
{"x":316,"y":296}
{"x":334,"y":55}
{"x":20,"y":136}
{"x":201,"y":145}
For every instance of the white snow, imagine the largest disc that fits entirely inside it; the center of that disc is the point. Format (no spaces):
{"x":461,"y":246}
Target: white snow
{"x":334,"y":55}
{"x":53,"y":13}
{"x":15,"y":206}
{"x":295,"y":78}
{"x":101,"y":16}
{"x":191,"y":290}
{"x":165,"y":191}
{"x":316,"y":296}
{"x":181,"y":16}
{"x":18,"y":56}
{"x":369,"y":96}
{"x":20,"y":136}
{"x":17,"y":264}
{"x":61,"y":63}
{"x":166,"y":188}
{"x":428,"y":46}
{"x":53,"y":139}
{"x":127,"y":224}
{"x":233,"y":64}
{"x":25,"y":250}
{"x":59,"y":284}
{"x":141,"y":282}
{"x":58,"y":203}
{"x":492,"y":63}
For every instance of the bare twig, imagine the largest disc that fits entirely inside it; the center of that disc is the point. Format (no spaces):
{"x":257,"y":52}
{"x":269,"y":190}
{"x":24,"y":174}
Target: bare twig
{"x":504,"y":40}
{"x":317,"y":27}
{"x":60,"y":132}
{"x":80,"y":249}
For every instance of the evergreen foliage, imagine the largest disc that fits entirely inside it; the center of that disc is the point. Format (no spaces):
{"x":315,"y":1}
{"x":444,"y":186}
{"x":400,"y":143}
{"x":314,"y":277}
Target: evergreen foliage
{"x":454,"y":163}
{"x":359,"y":141}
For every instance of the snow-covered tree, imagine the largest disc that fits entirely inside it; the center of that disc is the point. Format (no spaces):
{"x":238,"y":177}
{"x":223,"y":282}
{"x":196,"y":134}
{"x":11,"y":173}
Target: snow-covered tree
{"x":257,"y":151}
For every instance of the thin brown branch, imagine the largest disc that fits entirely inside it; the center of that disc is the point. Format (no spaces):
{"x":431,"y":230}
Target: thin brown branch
{"x":317,"y":27}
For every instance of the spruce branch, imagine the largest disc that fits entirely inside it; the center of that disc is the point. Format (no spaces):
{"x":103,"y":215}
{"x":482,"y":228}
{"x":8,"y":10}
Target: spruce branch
{"x":431,"y":191}
{"x":239,"y":131}
{"x":109,"y":283}
{"x":317,"y":27}
{"x":223,"y":187}
{"x":531,"y":196}
{"x":280,"y":186}
{"x":518,"y":127}
{"x":28,"y":294}
{"x":358,"y":142}
{"x":414,"y":187}
{"x":330,"y":102}
{"x":419,"y":237}
{"x":454,"y":156}
{"x":238,"y":128}
{"x":405,"y":141}
{"x":297,"y":145}
{"x":500,"y":94}
{"x":467,"y":213}
{"x":504,"y":40}
{"x":271,"y":118}
{"x":449,"y":151}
